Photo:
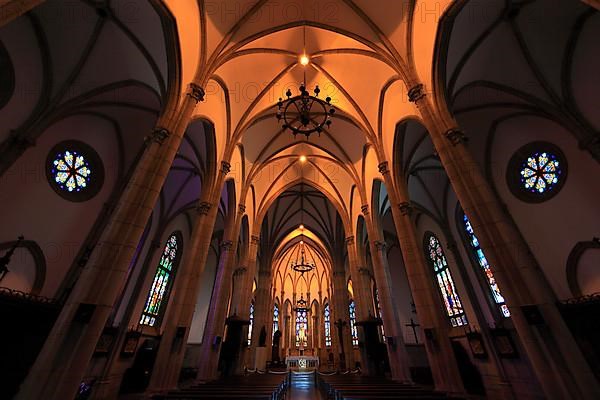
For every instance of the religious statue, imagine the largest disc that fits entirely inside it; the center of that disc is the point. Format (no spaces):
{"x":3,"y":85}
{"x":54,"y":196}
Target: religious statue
{"x":262,"y":339}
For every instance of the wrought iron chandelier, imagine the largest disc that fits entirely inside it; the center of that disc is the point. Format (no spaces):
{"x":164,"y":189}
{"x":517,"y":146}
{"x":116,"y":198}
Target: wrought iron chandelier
{"x":301,"y":305}
{"x":305,"y":113}
{"x":301,"y":263}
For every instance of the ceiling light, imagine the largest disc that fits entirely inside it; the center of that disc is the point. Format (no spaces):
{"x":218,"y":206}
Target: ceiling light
{"x":302,"y":159}
{"x":304,"y":60}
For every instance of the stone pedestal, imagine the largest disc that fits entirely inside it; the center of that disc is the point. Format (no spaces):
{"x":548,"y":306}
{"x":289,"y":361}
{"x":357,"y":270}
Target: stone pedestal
{"x":260,"y":359}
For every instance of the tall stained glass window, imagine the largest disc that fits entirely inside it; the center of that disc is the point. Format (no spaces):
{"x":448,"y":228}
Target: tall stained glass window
{"x":353,"y":329}
{"x":485,"y":266}
{"x":437,"y":259}
{"x":275,"y":318}
{"x":327,"y":321}
{"x":251,"y":323}
{"x":162,"y":282}
{"x":301,"y":328}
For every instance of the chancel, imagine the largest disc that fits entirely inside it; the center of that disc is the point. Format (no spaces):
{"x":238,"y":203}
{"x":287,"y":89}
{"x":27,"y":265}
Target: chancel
{"x":265,"y":199}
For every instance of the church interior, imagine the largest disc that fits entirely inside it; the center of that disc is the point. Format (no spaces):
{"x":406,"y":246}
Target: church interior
{"x":299,"y":199}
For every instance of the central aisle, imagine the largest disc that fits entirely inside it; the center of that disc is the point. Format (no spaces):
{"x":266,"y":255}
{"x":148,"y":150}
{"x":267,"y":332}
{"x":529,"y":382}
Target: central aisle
{"x":303,"y":387}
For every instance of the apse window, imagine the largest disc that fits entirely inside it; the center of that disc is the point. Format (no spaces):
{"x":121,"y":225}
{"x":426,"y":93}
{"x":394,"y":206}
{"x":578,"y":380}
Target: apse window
{"x":74,"y":170}
{"x":536,"y":172}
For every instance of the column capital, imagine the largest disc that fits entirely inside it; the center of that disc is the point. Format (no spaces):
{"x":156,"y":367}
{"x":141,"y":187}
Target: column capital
{"x":203,"y":208}
{"x":349,"y":240}
{"x":264,"y":273}
{"x":240,"y":271}
{"x":255,"y":239}
{"x":416,"y":93}
{"x":225,"y":167}
{"x":365,"y":209}
{"x":405,"y":208}
{"x":380,"y":245}
{"x":196,"y":92}
{"x":339,"y":273}
{"x":242,"y":209}
{"x":158,"y":135}
{"x":383,"y":168}
{"x":226,"y":245}
{"x":364,"y":271}
{"x":455,"y":136}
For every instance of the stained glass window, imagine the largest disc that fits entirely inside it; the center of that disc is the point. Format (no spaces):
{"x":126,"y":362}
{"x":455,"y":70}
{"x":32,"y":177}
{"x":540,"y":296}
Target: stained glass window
{"x":353,"y":328}
{"x":437,"y":258}
{"x":74,"y":170}
{"x":485,"y":266}
{"x":327,"y":320}
{"x":162,"y":281}
{"x":71,"y":171}
{"x":540,"y":172}
{"x":301,"y":328}
{"x":251,"y":323}
{"x":536,"y":172}
{"x":275,"y":318}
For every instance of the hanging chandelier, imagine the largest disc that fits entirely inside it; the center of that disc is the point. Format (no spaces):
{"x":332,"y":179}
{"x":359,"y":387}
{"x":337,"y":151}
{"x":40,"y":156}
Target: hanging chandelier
{"x":301,"y":263}
{"x":305,"y":113}
{"x":301,"y":305}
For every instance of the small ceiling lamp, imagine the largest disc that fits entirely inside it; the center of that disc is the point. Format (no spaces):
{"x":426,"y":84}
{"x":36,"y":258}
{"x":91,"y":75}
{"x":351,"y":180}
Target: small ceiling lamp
{"x":305,"y":113}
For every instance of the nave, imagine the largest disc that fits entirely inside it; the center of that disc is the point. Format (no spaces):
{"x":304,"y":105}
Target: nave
{"x":195,"y":192}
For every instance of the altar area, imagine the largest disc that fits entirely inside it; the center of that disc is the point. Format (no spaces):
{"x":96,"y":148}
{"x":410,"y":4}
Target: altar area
{"x":302,"y":363}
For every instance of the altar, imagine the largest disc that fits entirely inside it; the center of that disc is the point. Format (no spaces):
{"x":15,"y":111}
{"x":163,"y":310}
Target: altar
{"x":302,"y":362}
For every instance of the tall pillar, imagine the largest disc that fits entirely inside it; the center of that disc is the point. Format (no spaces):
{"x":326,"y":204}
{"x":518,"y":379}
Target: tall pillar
{"x":183,"y":303}
{"x":217,"y":313}
{"x":262,"y":312}
{"x":555,"y":357}
{"x":340,"y":313}
{"x":440,"y":354}
{"x":395,"y":344}
{"x":62,"y":362}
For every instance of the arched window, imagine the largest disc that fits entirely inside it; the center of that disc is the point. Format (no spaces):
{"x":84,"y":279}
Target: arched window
{"x":379,"y":315}
{"x":485,"y":266}
{"x":353,"y":329}
{"x":163,"y":280}
{"x":327,"y":320}
{"x":251,"y":323}
{"x":301,"y":328}
{"x":275,"y":318}
{"x":437,"y":259}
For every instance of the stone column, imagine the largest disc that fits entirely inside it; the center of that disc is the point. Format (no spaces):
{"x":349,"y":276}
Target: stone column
{"x":183,"y":303}
{"x":555,"y":357}
{"x":217,"y":314}
{"x":62,"y":362}
{"x":262,"y":312}
{"x":427,"y":302}
{"x":395,"y":344}
{"x":339,"y":308}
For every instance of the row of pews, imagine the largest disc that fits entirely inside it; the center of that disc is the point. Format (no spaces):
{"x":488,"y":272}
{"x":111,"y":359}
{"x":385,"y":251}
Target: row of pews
{"x":252,"y":387}
{"x":357,"y":387}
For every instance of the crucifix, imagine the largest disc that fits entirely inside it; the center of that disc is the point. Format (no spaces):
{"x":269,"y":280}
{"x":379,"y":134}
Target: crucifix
{"x":414,"y":325}
{"x":5,"y":259}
